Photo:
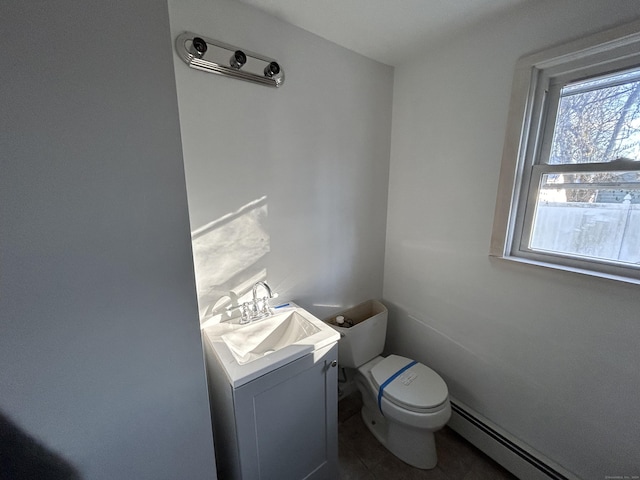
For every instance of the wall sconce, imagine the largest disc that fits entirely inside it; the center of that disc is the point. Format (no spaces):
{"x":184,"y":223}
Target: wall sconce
{"x":212,"y":56}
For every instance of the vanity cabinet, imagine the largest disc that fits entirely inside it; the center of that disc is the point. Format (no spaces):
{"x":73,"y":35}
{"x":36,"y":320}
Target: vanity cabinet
{"x":281,"y":425}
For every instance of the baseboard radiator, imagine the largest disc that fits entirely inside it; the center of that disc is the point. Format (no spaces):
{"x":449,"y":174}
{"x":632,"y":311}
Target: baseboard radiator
{"x":519,"y":459}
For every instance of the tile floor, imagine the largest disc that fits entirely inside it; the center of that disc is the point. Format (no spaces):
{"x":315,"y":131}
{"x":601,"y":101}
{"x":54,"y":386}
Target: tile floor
{"x":361,"y":457}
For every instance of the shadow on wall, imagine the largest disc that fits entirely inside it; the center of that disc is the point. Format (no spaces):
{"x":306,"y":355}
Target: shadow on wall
{"x":229,"y":256}
{"x":23,"y":457}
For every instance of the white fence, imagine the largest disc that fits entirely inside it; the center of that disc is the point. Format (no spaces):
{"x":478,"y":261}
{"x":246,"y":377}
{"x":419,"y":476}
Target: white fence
{"x":603,"y":230}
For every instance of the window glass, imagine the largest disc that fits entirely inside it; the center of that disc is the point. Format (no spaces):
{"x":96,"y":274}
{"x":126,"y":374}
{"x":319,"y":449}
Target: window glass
{"x":598,"y":120}
{"x":589,"y":214}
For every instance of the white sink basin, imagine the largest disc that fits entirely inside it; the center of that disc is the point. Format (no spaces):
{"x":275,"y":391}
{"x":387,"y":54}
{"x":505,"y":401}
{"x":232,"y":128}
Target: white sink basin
{"x":268,"y":336}
{"x":248,"y":351}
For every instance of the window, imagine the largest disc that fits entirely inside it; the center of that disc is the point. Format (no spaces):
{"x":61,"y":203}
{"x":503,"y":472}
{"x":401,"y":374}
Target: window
{"x":569,"y":191}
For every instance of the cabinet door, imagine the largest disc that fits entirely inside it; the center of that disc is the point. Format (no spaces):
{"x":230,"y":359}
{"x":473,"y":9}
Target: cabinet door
{"x":287,"y":422}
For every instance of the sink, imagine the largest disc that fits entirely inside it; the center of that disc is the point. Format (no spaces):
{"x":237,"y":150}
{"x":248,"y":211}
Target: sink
{"x":246,"y":352}
{"x":254,"y":341}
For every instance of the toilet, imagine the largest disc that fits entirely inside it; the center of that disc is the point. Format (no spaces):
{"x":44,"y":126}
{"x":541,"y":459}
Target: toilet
{"x":404,"y":401}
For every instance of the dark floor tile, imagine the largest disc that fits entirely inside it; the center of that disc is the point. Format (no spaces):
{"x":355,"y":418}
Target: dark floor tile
{"x":485,"y":468}
{"x":349,"y":407}
{"x":355,"y":435}
{"x":456,"y":456}
{"x":395,"y":469}
{"x":352,"y":429}
{"x":350,"y":465}
{"x":459,"y":459}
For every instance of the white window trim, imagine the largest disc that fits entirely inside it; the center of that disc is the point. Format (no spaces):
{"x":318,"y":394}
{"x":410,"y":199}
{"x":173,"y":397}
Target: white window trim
{"x":617,"y":46}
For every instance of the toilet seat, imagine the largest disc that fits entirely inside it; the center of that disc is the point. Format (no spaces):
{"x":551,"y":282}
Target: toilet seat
{"x":418,"y":388}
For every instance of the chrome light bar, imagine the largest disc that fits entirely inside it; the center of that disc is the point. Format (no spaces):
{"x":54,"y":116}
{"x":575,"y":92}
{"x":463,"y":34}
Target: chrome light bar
{"x":228,"y":60}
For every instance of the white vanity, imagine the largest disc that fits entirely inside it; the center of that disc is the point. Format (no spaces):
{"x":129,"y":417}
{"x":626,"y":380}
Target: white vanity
{"x":273,"y":395}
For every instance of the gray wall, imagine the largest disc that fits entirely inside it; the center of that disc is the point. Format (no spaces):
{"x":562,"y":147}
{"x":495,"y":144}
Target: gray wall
{"x":100,"y":353}
{"x":304,"y":168}
{"x":551,"y":357}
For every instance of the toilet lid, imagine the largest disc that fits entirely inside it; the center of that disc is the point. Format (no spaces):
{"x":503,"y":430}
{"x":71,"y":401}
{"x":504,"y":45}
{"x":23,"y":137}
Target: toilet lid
{"x":417,"y":388}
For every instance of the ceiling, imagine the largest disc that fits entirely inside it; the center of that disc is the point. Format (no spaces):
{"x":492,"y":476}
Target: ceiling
{"x":389,"y":31}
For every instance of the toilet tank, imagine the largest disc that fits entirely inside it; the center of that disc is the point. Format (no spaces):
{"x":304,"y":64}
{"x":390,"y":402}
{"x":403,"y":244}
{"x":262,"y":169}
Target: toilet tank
{"x":365,"y":339}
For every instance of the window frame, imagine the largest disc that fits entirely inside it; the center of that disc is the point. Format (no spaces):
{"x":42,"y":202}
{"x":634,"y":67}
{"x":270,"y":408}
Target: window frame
{"x":535,"y":96}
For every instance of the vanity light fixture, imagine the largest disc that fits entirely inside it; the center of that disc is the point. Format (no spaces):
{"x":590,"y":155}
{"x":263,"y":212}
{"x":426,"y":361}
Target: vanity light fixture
{"x":208,"y":55}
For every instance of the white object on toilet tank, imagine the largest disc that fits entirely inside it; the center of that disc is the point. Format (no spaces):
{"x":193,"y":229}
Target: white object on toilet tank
{"x":365,"y":339}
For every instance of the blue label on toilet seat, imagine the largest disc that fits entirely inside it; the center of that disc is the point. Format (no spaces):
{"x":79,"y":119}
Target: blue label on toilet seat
{"x":391,"y":379}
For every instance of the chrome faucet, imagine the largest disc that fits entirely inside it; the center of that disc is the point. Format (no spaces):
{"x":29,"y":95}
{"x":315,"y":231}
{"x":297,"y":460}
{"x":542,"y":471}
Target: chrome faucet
{"x":260,"y":307}
{"x":255,"y":290}
{"x":257,"y":308}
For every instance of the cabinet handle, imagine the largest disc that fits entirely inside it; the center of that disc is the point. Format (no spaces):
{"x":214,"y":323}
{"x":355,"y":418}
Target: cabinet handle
{"x":334,"y":363}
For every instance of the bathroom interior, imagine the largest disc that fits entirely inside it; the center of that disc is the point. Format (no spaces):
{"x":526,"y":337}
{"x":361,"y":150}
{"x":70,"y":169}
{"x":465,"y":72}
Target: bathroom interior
{"x":126,"y":175}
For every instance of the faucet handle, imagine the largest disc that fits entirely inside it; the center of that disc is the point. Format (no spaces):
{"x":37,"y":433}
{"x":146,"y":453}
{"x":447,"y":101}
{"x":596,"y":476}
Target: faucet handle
{"x":246,"y":311}
{"x":266,"y":308}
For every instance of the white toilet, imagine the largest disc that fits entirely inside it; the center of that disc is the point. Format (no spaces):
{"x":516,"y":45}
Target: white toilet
{"x":404,"y":402}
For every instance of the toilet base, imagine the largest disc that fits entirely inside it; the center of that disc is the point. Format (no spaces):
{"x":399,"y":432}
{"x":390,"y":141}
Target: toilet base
{"x":406,"y":434}
{"x":416,"y":447}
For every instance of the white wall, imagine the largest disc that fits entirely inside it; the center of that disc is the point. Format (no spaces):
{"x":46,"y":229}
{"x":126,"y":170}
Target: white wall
{"x":550,"y":357}
{"x":313,"y":154}
{"x":100,"y":352}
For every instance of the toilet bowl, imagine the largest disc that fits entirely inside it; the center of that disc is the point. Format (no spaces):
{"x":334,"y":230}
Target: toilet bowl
{"x":404,"y":401}
{"x":408,"y":411}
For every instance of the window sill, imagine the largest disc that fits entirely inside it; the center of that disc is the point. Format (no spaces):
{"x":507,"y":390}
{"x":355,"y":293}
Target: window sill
{"x":581,"y":271}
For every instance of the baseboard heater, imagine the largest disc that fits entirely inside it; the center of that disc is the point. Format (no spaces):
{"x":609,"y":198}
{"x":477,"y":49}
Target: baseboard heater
{"x":517,"y":458}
